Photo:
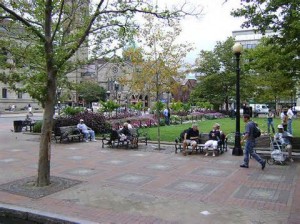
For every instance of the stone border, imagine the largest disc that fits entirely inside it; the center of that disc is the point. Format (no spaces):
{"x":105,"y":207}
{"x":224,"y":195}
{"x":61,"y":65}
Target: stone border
{"x":25,"y":187}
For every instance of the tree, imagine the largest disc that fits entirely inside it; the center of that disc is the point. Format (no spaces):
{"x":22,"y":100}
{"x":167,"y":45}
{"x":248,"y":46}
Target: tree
{"x":53,"y":35}
{"x":109,"y":106}
{"x":160,"y":53}
{"x":270,"y":74}
{"x":161,"y":58}
{"x":282,"y":17}
{"x":217,"y":81}
{"x":91,"y":92}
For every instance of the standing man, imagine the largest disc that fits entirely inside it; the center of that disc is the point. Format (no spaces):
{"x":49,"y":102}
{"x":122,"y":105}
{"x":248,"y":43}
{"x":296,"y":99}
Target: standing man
{"x":250,"y":143}
{"x":167,"y":116}
{"x":270,"y":118}
{"x":29,"y":109}
{"x":290,"y":115}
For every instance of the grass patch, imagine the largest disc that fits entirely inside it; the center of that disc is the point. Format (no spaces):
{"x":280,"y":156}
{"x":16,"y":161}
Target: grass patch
{"x":169,"y":133}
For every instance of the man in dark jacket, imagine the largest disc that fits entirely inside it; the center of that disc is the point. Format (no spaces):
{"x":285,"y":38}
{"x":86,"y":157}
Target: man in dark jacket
{"x":190,"y":138}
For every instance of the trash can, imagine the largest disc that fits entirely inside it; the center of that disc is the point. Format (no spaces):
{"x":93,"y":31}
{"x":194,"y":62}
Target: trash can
{"x":18,"y":125}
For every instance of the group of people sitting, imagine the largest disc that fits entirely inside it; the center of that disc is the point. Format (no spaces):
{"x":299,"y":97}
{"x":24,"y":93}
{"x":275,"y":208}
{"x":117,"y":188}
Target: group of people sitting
{"x":122,"y":134}
{"x":191,"y":137}
{"x":216,"y":136}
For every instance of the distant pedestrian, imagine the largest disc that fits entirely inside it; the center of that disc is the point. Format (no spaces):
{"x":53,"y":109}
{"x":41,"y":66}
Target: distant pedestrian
{"x":290,"y":115}
{"x":250,"y":143}
{"x":270,"y":118}
{"x":284,"y":119}
{"x":167,"y":115}
{"x":29,"y":108}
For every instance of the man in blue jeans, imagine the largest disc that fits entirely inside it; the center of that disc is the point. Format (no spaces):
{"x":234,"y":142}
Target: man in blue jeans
{"x":250,"y":143}
{"x":86,"y":131}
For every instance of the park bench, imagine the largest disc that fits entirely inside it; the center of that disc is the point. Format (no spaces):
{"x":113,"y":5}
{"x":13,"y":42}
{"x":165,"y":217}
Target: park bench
{"x":69,"y":133}
{"x":114,"y":140}
{"x":28,"y":125}
{"x":203,"y":137}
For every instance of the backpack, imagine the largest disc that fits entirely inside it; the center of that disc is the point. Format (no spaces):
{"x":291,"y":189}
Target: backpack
{"x":183,"y":133}
{"x":256,"y":131}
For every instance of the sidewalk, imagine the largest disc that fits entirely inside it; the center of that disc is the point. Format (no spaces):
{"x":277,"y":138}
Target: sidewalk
{"x":147,"y":186}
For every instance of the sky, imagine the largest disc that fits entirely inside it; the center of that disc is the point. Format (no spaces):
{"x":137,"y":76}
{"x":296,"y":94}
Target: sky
{"x":216,"y":24}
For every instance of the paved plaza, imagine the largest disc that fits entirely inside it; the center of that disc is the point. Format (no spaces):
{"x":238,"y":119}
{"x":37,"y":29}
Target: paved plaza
{"x":103,"y":185}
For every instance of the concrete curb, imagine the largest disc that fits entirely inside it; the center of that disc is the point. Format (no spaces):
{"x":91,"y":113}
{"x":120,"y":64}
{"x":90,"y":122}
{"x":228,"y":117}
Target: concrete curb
{"x":16,"y":213}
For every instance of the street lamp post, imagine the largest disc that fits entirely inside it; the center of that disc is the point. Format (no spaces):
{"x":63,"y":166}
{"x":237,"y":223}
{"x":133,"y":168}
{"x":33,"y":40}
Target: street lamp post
{"x":237,"y":150}
{"x":116,"y":89}
{"x":107,"y":95}
{"x":58,"y":98}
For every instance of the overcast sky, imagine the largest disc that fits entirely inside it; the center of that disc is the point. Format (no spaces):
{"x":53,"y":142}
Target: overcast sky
{"x":216,"y":24}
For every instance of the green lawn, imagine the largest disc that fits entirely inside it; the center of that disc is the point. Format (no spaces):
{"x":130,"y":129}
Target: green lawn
{"x":169,"y":133}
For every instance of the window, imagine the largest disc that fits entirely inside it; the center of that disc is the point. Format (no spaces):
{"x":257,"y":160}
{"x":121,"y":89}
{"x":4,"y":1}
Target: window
{"x":3,"y":55}
{"x":20,"y":95}
{"x":4,"y":93}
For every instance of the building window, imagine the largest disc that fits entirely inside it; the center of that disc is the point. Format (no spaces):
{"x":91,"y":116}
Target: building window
{"x":4,"y":93}
{"x":3,"y":55}
{"x":20,"y":95}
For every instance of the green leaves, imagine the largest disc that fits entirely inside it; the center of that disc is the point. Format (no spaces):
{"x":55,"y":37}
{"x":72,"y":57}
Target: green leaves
{"x":217,"y":81}
{"x":91,"y":91}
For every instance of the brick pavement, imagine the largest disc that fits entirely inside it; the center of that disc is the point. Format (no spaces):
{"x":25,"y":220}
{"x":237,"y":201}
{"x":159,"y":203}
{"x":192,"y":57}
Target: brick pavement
{"x":144,"y":186}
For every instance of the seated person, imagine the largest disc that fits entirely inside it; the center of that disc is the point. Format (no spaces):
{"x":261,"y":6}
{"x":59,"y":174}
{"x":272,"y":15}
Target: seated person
{"x":129,"y":124}
{"x":214,"y":138}
{"x":86,"y":131}
{"x":284,"y":138}
{"x":28,"y":119}
{"x":191,"y":137}
{"x":125,"y":133}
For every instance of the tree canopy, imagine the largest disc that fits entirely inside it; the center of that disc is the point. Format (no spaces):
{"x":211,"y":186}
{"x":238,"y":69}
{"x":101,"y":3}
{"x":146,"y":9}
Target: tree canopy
{"x":91,"y":92}
{"x":217,"y":77}
{"x":281,"y":17}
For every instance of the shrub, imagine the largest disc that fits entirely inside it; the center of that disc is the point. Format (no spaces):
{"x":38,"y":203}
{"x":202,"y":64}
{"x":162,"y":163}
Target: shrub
{"x":37,"y":127}
{"x":95,"y":121}
{"x":72,"y":110}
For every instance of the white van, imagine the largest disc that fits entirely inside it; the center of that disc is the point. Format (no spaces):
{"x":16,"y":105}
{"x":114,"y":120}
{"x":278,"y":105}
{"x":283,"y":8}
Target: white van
{"x":260,"y":108}
{"x":95,"y":106}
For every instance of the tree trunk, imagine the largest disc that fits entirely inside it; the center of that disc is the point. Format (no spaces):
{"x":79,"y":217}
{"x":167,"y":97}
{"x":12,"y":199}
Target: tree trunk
{"x":43,"y":178}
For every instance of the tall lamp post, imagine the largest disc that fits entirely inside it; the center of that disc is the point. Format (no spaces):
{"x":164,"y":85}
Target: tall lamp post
{"x":116,"y":89}
{"x":107,"y":95}
{"x":58,"y":98}
{"x":237,"y":150}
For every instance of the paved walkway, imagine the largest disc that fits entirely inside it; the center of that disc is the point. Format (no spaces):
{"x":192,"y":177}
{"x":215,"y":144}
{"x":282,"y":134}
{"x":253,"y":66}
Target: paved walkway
{"x":147,"y":186}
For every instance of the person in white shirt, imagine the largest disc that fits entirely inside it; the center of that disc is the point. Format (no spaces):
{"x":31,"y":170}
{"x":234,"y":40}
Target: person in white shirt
{"x":284,"y":139}
{"x":167,"y":115}
{"x":129,"y":124}
{"x":290,"y":115}
{"x":86,"y":131}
